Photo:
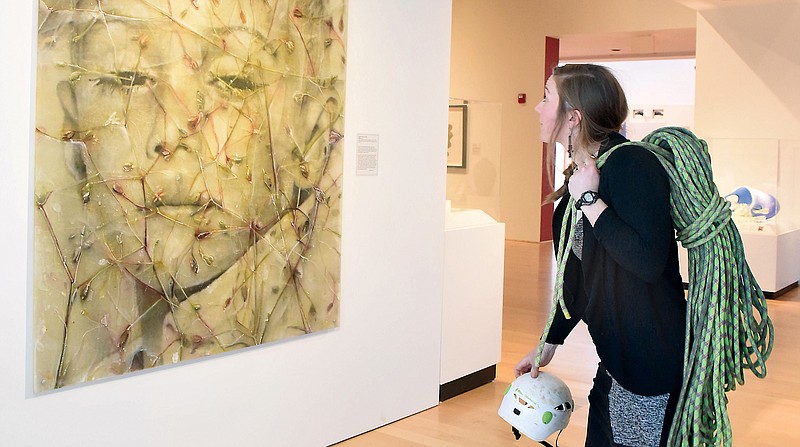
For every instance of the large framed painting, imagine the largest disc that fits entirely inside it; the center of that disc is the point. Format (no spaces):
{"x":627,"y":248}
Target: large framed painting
{"x":187,"y":184}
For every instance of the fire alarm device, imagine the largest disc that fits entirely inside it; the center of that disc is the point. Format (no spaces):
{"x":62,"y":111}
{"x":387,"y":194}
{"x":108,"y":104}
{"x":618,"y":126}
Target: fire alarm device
{"x":521,"y":98}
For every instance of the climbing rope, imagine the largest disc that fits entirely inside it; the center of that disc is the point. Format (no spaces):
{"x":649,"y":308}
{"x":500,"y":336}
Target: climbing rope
{"x":727,"y":325}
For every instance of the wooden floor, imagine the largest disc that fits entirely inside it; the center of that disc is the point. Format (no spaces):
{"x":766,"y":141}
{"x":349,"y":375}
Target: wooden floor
{"x":763,"y":412}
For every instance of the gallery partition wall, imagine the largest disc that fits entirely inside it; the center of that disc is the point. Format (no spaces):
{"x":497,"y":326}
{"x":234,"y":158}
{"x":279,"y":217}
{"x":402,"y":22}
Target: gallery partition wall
{"x":378,"y":363}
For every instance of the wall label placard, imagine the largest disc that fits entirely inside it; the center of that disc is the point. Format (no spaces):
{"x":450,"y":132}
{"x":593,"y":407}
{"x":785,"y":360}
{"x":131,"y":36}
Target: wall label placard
{"x":367,"y":154}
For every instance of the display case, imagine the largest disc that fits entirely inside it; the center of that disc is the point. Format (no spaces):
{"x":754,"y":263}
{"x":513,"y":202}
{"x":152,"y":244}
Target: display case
{"x":751,"y":173}
{"x":473,"y":180}
{"x":474,"y":248}
{"x":472,"y":307}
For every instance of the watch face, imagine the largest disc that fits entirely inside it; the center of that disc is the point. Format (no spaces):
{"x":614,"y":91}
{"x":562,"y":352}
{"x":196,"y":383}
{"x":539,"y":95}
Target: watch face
{"x":587,"y":198}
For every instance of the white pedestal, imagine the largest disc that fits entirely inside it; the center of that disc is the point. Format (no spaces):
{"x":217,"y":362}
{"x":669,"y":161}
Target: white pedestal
{"x":772,"y":254}
{"x":472,"y":309}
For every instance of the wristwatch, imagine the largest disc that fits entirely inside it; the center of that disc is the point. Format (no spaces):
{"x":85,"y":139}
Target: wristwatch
{"x":587,"y":198}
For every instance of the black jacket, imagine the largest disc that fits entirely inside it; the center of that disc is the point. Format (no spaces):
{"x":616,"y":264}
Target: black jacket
{"x":627,"y":285}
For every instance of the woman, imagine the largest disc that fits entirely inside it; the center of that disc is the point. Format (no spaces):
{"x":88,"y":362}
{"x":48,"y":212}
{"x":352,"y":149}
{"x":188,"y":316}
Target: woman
{"x":622,"y":277}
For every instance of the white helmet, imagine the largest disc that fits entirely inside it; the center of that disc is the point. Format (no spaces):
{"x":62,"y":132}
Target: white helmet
{"x":537,"y":407}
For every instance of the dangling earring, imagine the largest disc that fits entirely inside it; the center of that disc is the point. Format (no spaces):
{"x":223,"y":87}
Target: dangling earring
{"x":569,"y":144}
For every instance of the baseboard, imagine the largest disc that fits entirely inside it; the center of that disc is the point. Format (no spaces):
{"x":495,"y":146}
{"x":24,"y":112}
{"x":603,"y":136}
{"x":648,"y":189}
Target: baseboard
{"x":466,"y":383}
{"x":781,"y":292}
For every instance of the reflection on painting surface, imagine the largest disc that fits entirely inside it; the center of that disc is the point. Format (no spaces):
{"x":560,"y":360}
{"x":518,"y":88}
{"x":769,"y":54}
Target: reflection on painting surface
{"x":187,"y":180}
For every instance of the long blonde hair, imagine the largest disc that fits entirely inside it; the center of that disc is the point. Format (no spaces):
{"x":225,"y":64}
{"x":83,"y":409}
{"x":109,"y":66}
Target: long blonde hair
{"x":595,"y":92}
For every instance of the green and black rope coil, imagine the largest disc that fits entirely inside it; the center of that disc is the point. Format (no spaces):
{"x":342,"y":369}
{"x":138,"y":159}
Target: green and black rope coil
{"x":727,"y":325}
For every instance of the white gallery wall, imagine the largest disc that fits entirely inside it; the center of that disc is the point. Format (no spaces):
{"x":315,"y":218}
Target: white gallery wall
{"x":497,"y":53}
{"x":748,"y":70}
{"x":380,"y":365}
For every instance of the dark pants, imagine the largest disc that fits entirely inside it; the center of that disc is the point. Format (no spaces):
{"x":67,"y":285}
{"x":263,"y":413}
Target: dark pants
{"x":599,"y":432}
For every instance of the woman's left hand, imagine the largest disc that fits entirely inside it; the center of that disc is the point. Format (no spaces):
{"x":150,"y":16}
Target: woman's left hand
{"x":585,"y":177}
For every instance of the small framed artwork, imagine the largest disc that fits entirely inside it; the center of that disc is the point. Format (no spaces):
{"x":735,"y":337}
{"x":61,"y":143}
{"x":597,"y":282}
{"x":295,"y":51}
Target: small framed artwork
{"x":457,"y":136}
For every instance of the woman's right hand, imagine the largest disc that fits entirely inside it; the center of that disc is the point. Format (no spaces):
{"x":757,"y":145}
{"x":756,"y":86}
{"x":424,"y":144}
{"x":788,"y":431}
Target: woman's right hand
{"x":528,"y":363}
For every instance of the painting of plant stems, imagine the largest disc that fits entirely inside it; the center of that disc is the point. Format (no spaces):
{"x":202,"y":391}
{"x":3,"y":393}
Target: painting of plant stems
{"x":187,"y":184}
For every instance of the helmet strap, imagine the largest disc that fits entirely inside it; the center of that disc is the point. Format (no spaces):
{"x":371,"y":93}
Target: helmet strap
{"x":518,"y":435}
{"x":547,"y":444}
